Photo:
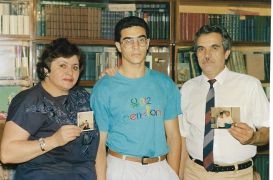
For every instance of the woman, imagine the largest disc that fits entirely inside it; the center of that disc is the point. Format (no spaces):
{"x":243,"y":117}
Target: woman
{"x":41,"y":135}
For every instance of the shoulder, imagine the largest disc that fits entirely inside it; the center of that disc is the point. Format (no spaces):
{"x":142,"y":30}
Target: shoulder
{"x":104,"y":82}
{"x":25,"y":99}
{"x":28,"y":95}
{"x":160,"y":77}
{"x":191,"y":83}
{"x":79,"y":91}
{"x":245,"y":79}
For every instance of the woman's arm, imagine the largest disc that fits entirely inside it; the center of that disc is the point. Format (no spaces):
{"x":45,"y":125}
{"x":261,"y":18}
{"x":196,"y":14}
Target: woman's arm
{"x":16,"y":148}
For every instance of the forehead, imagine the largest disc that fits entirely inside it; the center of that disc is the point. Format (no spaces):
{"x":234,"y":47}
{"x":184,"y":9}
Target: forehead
{"x":69,"y":60}
{"x":133,"y":31}
{"x":209,"y":39}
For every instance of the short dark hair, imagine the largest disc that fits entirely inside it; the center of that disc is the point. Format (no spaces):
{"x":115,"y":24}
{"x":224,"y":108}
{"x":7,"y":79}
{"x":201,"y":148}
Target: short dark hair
{"x":60,"y":47}
{"x":129,"y":22}
{"x":206,"y":29}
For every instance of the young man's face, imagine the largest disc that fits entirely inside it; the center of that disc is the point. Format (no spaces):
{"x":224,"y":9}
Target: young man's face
{"x":133,"y":45}
{"x":211,"y":55}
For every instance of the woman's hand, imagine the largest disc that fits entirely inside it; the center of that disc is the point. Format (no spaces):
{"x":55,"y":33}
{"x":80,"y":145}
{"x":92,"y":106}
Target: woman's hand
{"x":66,"y":134}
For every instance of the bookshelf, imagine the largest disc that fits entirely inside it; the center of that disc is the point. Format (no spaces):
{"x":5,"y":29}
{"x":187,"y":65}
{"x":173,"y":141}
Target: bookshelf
{"x":91,"y":26}
{"x":248,"y":23}
{"x":15,"y":42}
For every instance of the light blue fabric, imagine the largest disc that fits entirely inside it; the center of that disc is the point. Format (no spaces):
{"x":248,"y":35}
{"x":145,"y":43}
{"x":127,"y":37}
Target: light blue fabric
{"x":133,"y":111}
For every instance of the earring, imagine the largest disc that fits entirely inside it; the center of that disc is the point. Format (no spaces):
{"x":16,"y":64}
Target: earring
{"x":46,"y":74}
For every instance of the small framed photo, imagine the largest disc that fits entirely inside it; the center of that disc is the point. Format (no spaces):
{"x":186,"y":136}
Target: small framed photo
{"x":224,"y":117}
{"x":85,"y":120}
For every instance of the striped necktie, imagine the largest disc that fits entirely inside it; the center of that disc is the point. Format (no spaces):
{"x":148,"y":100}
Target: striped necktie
{"x":209,"y":132}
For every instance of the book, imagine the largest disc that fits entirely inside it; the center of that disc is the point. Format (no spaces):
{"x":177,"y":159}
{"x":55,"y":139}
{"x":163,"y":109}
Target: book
{"x":183,"y":72}
{"x":121,"y":7}
{"x":7,"y":61}
{"x":255,"y":65}
{"x":160,"y":62}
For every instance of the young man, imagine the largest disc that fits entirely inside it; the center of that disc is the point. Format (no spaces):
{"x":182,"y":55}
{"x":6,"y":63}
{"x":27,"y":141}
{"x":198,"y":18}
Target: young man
{"x":136,"y":111}
{"x":221,"y":153}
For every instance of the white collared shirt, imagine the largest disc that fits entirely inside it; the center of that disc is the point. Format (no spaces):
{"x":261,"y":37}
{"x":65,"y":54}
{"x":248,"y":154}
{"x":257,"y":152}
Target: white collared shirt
{"x":231,"y":90}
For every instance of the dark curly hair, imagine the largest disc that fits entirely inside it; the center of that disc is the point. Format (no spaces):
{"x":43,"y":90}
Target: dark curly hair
{"x":60,"y":47}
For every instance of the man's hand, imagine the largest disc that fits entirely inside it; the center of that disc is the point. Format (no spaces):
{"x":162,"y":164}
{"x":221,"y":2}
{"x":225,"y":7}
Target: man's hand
{"x":109,"y":71}
{"x":246,"y":135}
{"x":242,"y":132}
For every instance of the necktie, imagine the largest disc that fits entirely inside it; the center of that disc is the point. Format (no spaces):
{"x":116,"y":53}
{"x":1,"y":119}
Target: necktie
{"x":209,"y":132}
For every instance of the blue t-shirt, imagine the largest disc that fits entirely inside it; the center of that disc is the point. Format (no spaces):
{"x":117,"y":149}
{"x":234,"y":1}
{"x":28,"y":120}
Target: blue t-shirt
{"x":42,"y":115}
{"x":133,"y":111}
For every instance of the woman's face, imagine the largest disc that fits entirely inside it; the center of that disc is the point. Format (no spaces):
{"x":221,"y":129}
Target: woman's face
{"x":63,"y":76}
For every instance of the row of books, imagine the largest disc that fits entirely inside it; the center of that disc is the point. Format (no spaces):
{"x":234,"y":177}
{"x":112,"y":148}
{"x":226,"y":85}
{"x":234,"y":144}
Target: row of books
{"x":98,"y":58}
{"x":240,"y":28}
{"x":97,"y":21}
{"x":187,"y":65}
{"x":255,"y":64}
{"x":14,"y":18}
{"x":14,"y":60}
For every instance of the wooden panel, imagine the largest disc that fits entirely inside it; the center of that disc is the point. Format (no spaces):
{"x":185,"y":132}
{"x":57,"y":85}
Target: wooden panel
{"x":261,"y":11}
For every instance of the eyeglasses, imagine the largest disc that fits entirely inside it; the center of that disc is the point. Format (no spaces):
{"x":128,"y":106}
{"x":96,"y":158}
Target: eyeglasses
{"x":129,"y":41}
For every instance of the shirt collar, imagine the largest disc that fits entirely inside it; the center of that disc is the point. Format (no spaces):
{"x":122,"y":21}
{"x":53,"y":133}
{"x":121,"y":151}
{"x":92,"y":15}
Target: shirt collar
{"x":219,"y":78}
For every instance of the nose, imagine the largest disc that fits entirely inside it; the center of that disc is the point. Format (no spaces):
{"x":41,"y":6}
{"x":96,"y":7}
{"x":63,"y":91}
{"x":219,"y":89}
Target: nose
{"x":69,"y":70}
{"x":207,"y":54}
{"x":136,"y":43}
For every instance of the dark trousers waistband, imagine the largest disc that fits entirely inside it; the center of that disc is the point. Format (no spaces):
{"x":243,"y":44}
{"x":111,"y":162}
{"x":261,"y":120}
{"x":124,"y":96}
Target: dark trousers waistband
{"x":218,"y":168}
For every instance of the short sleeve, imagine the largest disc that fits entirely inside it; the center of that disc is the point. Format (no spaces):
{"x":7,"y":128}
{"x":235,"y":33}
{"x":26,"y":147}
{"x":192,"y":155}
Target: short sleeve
{"x":260,"y":106}
{"x":24,"y":112}
{"x":173,"y":108}
{"x":99,"y":103}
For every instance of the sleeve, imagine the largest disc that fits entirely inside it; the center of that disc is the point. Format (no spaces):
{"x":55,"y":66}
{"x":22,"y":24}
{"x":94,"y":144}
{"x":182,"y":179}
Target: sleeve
{"x":259,"y":106}
{"x":99,"y":103}
{"x":25,"y":112}
{"x":183,"y":124}
{"x":173,"y":108}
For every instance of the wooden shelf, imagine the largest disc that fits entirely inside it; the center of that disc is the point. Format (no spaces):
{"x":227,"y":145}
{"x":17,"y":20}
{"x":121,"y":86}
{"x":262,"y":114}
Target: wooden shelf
{"x":225,"y":9}
{"x":16,"y":82}
{"x":15,"y":37}
{"x":87,"y":83}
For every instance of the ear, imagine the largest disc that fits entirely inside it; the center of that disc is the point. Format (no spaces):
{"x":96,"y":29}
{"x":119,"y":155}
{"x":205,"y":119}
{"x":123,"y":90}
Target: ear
{"x":45,"y":70}
{"x":118,"y":46}
{"x":227,"y":53}
{"x":148,"y":44}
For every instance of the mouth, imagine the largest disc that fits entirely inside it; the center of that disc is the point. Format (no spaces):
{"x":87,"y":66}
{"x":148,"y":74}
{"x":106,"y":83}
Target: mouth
{"x":68,"y":80}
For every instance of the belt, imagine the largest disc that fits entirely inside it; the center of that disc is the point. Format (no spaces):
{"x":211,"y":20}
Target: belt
{"x":143,"y":160}
{"x":217,"y":168}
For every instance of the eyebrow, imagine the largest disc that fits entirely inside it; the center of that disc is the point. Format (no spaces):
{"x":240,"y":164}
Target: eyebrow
{"x":134,"y":37}
{"x":213,"y":45}
{"x":65,"y":62}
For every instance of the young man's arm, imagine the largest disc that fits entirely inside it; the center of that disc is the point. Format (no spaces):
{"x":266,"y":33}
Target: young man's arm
{"x":101,"y":157}
{"x":174,"y":142}
{"x":184,"y":156}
